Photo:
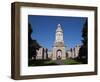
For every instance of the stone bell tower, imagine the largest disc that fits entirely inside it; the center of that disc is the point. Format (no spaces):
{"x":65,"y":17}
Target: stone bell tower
{"x":58,"y":47}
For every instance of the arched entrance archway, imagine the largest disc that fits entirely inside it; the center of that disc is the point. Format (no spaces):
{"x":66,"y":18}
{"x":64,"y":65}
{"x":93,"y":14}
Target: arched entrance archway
{"x":59,"y":54}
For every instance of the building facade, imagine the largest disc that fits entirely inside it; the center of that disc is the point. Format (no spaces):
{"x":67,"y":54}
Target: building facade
{"x":59,"y":50}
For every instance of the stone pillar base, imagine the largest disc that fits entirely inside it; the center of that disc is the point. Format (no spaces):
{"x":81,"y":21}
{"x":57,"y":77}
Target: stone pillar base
{"x":63,"y":58}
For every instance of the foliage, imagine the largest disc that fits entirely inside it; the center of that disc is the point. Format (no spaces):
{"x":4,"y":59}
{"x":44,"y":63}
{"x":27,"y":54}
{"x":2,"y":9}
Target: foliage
{"x":42,"y":62}
{"x":83,"y":52}
{"x":32,"y":44}
{"x":53,"y":62}
{"x":70,"y":62}
{"x":84,"y":34}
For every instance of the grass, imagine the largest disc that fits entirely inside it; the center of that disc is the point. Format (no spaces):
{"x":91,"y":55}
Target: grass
{"x":52,"y":62}
{"x":42,"y":62}
{"x":70,"y":62}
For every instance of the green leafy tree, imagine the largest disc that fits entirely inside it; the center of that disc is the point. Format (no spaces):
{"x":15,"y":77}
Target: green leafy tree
{"x":85,"y":35}
{"x":83,"y":52}
{"x":32,"y":44}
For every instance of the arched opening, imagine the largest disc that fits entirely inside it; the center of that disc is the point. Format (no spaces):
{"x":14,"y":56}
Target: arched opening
{"x":59,"y":54}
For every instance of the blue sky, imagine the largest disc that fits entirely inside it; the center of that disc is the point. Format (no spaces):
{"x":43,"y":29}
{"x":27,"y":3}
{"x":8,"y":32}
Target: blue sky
{"x":44,"y":28}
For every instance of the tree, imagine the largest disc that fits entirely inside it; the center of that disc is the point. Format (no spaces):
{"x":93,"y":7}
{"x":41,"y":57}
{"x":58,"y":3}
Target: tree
{"x":46,"y":53}
{"x":84,"y":34}
{"x":29,"y":41}
{"x":32,"y":44}
{"x":83,"y":52}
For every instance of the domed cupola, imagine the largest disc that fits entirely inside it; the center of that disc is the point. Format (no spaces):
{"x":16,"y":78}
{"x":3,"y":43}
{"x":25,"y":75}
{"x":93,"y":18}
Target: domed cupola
{"x":59,"y":28}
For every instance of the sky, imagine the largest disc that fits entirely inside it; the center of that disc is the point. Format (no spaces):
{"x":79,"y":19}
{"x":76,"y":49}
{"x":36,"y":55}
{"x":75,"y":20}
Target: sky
{"x":44,"y":29}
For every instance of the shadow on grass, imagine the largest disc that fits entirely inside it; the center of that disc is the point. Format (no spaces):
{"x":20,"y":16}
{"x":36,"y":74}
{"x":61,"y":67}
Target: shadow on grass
{"x":71,"y":62}
{"x":52,"y":62}
{"x":41,"y":62}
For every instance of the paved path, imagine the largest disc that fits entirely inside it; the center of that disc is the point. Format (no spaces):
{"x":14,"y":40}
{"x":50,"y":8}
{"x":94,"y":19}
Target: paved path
{"x":59,"y":62}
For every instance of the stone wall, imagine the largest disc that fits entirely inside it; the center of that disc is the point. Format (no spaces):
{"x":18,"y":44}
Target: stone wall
{"x":42,"y":53}
{"x":73,"y":52}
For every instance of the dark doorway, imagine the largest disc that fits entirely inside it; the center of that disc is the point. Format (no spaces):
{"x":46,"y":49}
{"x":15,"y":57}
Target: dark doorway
{"x":59,"y":54}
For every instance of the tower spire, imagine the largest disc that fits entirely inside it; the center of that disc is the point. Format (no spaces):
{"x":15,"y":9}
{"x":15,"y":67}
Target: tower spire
{"x":58,"y":47}
{"x":59,"y":34}
{"x":59,"y":28}
{"x":58,"y":25}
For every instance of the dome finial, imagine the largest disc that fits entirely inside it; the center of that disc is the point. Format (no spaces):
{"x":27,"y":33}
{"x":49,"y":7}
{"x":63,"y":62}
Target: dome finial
{"x":59,"y":25}
{"x":58,"y":28}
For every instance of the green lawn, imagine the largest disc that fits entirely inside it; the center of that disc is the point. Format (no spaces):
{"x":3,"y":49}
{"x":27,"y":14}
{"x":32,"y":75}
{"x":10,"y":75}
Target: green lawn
{"x":42,"y":62}
{"x":70,"y":62}
{"x":52,"y":62}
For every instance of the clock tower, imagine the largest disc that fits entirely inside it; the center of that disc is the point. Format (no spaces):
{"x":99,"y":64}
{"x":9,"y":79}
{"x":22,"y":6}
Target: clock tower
{"x":58,"y":47}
